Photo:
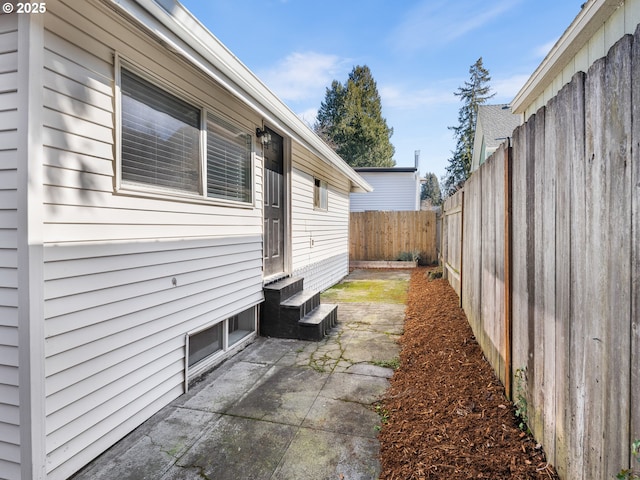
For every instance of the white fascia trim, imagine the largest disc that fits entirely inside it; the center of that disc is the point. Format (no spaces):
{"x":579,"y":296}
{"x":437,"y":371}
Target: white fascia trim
{"x":168,"y":20}
{"x":592,"y":16}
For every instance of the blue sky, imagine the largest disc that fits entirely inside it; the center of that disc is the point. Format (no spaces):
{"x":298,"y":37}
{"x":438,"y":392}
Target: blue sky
{"x":419,"y":52}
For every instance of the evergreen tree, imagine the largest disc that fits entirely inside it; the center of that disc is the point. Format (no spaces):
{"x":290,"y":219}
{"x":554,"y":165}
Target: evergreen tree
{"x":431,"y":190}
{"x":350,"y":121}
{"x":474,"y":92}
{"x":329,"y":116}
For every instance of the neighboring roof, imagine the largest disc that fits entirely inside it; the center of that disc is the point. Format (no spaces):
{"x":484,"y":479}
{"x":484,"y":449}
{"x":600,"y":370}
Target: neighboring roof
{"x":498,"y":123}
{"x":169,"y":21}
{"x":493,"y":125}
{"x":386,"y":169}
{"x":576,"y":51}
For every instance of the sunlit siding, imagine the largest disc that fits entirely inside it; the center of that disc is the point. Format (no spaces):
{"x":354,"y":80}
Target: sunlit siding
{"x":320,"y":238}
{"x":623,"y":20}
{"x":126,"y":276}
{"x":392,"y":191}
{"x":9,"y":393}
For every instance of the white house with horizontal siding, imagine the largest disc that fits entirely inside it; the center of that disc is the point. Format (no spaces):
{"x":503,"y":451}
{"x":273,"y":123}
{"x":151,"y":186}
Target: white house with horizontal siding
{"x":394,"y":189}
{"x":150,"y":185}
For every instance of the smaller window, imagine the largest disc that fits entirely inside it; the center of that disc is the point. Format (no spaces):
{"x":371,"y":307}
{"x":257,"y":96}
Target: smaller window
{"x":205,"y":344}
{"x":320,"y":194}
{"x":241,"y":325}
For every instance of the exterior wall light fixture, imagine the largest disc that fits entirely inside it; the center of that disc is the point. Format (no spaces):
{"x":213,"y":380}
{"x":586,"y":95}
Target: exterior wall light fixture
{"x":263,"y":135}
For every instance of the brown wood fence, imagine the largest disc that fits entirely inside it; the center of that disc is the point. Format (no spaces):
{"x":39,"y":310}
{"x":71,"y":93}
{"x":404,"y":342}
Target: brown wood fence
{"x":551,"y":266}
{"x":380,"y":235}
{"x":483,"y":253}
{"x":452,"y":235}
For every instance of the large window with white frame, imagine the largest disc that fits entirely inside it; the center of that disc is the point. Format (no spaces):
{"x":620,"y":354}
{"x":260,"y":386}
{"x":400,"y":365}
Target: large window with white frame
{"x":171,"y":144}
{"x":160,"y":137}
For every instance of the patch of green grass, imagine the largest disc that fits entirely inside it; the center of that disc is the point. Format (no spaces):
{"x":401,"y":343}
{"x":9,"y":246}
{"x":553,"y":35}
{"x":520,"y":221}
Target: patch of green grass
{"x":317,"y":367}
{"x":368,"y":291}
{"x":435,"y":273}
{"x":383,"y":413}
{"x":520,"y":401}
{"x":394,"y":363}
{"x":630,"y":473}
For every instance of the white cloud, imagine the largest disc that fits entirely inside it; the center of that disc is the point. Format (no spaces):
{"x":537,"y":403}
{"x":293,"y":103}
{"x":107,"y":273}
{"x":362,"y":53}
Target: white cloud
{"x":309,"y":116}
{"x":436,"y":23}
{"x":542,"y":50}
{"x":507,"y":88}
{"x":396,"y":96}
{"x":302,"y":75}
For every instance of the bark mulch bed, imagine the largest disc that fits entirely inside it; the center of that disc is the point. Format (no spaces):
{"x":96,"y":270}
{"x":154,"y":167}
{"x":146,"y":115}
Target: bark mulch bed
{"x":445,"y":414}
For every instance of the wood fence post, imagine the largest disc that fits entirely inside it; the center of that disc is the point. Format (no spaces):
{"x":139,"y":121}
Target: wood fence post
{"x":461,"y":245}
{"x":508,"y":188}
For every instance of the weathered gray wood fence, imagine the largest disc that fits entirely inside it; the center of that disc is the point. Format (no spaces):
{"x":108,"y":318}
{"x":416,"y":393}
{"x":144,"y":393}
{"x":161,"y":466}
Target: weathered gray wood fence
{"x":551,"y":266}
{"x":452,"y":236}
{"x":378,"y":235}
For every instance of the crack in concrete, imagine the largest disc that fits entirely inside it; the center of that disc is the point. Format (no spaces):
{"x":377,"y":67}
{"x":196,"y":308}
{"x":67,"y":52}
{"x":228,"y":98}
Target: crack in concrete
{"x":173,"y":453}
{"x":328,"y":354}
{"x":200,"y":470}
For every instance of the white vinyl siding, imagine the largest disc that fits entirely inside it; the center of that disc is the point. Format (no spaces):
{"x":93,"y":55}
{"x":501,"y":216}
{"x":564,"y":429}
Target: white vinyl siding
{"x":115,"y":322}
{"x":623,"y":20}
{"x":115,"y":329}
{"x":392,"y":191}
{"x":320,"y":238}
{"x":9,"y":393}
{"x":79,"y":175}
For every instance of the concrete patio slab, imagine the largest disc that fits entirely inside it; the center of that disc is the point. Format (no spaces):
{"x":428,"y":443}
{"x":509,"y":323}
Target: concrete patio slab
{"x":284,"y":395}
{"x":316,"y":455}
{"x":235,"y":447}
{"x":351,"y":387}
{"x":338,"y":416}
{"x":229,"y":387}
{"x":370,"y":370}
{"x":148,"y":453}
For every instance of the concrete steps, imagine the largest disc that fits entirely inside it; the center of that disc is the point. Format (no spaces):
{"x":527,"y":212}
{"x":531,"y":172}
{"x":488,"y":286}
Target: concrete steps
{"x":290,"y":311}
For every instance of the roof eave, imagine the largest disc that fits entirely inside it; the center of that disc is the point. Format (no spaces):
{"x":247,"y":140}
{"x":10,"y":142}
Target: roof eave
{"x":386,"y":169}
{"x":587,"y":22}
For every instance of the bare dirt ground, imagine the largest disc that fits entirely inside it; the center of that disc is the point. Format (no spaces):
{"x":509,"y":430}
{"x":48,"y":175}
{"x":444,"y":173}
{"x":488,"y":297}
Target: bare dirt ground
{"x":446,"y":413}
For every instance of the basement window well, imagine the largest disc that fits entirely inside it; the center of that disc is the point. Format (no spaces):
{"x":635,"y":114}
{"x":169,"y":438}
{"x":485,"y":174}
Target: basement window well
{"x":208,"y":346}
{"x":241,"y":325}
{"x":205,"y":343}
